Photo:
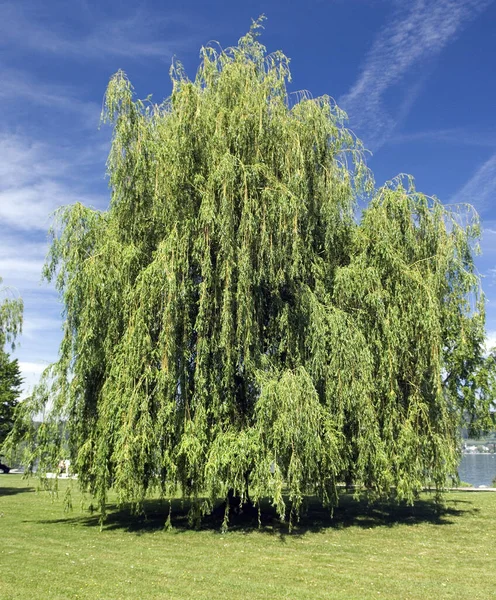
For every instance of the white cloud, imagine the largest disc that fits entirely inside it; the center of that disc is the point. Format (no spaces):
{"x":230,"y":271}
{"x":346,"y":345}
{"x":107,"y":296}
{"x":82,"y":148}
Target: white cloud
{"x":21,"y":262}
{"x":31,"y":373}
{"x":488,"y":248}
{"x":27,"y":270}
{"x":34,"y":326}
{"x":34,"y":181}
{"x":480,"y":189}
{"x":18,"y":85}
{"x":30,"y":207}
{"x":490,"y":340}
{"x":457,"y":136}
{"x":23,"y":161}
{"x":137,"y":36}
{"x":418,"y":31}
{"x":131,"y":37}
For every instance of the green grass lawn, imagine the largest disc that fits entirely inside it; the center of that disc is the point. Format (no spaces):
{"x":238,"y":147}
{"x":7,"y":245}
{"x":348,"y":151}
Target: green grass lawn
{"x":365,"y":551}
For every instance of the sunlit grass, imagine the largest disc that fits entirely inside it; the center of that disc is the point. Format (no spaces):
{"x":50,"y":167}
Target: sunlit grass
{"x":365,"y":551}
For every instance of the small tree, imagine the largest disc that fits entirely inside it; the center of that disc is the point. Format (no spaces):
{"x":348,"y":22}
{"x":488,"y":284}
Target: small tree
{"x":10,"y":382}
{"x":10,"y":377}
{"x":228,"y":321}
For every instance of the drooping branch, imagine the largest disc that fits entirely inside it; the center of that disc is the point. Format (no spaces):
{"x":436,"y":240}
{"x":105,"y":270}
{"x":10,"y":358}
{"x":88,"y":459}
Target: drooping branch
{"x":228,"y":317}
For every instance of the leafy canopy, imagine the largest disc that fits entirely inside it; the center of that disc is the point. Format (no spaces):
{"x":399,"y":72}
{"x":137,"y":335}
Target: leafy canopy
{"x":228,"y":320}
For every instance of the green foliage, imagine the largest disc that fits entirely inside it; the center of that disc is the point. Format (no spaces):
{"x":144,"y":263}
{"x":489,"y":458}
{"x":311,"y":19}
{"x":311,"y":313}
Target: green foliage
{"x":10,"y":382}
{"x":228,"y":320}
{"x":10,"y":317}
{"x":10,"y":376}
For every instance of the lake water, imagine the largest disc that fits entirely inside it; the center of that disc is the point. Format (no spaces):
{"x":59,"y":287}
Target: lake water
{"x":478,"y":469}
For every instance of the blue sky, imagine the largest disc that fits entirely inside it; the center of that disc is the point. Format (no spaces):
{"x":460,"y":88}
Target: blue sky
{"x":416,"y":78}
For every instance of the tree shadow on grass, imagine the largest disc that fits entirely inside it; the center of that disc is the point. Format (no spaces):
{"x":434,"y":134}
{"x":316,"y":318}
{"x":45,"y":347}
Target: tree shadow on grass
{"x":314,"y":518}
{"x":12,"y":491}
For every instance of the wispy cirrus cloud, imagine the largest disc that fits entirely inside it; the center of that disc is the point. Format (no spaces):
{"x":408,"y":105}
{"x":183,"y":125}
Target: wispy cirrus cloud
{"x":18,"y":86}
{"x":490,"y":343}
{"x":30,"y":373}
{"x":35,"y":180}
{"x":21,"y":261}
{"x":97,"y":36}
{"x":416,"y":33}
{"x":30,"y":207}
{"x":24,"y":161}
{"x":455,"y":136}
{"x":480,"y":189}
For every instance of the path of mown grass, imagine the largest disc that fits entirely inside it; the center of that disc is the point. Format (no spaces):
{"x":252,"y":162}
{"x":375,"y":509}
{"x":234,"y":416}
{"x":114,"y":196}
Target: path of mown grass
{"x":364,"y":552}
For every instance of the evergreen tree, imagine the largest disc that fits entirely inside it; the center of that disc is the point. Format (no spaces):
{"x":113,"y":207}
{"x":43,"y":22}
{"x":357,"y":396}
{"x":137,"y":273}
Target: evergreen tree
{"x":228,"y":322}
{"x":10,"y":382}
{"x":10,"y":378}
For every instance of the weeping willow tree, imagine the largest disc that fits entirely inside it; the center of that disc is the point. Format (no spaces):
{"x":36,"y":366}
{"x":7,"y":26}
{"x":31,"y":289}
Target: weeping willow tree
{"x":230,"y":326}
{"x":11,"y":308}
